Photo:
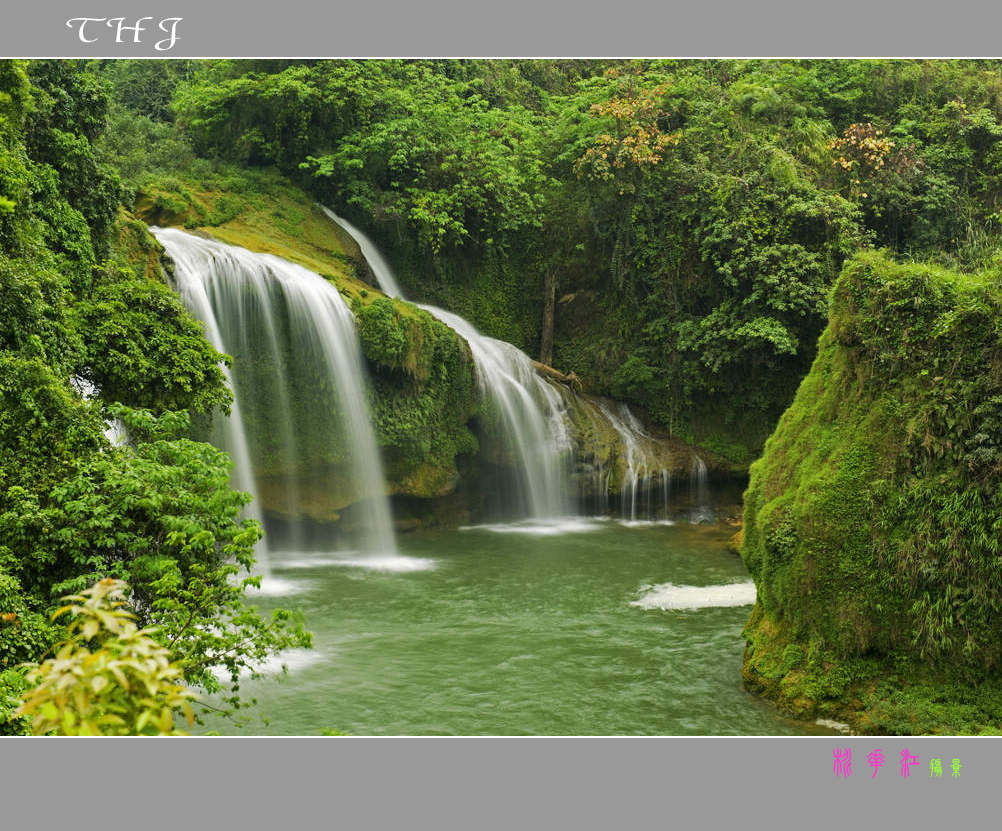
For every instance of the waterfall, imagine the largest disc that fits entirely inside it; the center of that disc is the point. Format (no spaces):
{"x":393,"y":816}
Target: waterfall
{"x":530,"y":410}
{"x":298,"y":323}
{"x":530,"y":414}
{"x":700,"y":492}
{"x":641,"y":466}
{"x":534,"y":419}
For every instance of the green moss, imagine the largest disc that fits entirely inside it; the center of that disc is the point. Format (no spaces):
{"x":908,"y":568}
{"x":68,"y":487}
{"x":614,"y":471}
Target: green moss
{"x":135,"y":248}
{"x":425,"y":395}
{"x":255,"y":209}
{"x":872,"y":520}
{"x":383,"y":338}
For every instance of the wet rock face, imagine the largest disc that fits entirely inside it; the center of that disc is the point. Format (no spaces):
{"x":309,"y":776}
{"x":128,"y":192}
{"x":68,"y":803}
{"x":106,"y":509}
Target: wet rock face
{"x":613,"y":448}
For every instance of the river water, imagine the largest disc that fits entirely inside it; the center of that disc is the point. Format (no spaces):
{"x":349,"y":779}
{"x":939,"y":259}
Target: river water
{"x":577,"y":628}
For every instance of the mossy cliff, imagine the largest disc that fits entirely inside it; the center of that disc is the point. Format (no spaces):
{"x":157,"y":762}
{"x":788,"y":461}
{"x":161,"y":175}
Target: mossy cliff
{"x":873,"y":521}
{"x":423,"y":388}
{"x":259,"y":210}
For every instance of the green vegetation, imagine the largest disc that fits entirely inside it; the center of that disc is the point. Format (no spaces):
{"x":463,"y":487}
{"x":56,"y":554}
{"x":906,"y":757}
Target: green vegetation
{"x":691,"y":215}
{"x":670,"y":232}
{"x":127,"y":686}
{"x":79,"y":307}
{"x":423,"y":390}
{"x":423,"y":387}
{"x":872,"y":521}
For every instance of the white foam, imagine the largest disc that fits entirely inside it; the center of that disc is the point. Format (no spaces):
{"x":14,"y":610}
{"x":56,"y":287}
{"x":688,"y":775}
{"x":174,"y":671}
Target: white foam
{"x":389,"y":562}
{"x":293,"y":659}
{"x":831,"y":724}
{"x":643,"y":523}
{"x":669,"y":596}
{"x":276,"y":587}
{"x":290,"y":560}
{"x":308,"y":561}
{"x":540,"y":527}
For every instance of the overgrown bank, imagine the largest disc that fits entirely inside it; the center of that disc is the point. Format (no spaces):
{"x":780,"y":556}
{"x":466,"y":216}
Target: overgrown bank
{"x":873,"y":519}
{"x":86,"y":335}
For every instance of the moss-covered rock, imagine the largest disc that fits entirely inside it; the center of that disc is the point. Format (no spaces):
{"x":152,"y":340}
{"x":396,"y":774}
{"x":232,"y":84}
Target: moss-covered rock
{"x":259,"y":210}
{"x":135,"y":248}
{"x":600,"y":448}
{"x":425,"y":395}
{"x":872,"y":521}
{"x":423,"y":388}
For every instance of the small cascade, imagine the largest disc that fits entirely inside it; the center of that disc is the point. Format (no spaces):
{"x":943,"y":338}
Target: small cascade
{"x":530,"y":411}
{"x":116,"y":433}
{"x":700,"y":510}
{"x":304,"y":344}
{"x":380,"y":268}
{"x":114,"y":430}
{"x":643,"y":472}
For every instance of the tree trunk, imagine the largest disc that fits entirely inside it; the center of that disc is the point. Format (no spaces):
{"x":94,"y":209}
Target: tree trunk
{"x":549,"y":302}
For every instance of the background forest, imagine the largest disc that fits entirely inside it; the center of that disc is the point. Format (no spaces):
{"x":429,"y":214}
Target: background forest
{"x":677,"y":223}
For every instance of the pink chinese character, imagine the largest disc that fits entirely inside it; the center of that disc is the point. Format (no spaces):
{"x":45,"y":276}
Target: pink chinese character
{"x":907,"y":760}
{"x":843,"y":761}
{"x":876,"y":760}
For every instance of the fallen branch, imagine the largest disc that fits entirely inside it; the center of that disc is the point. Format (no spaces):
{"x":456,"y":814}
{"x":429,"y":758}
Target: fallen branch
{"x":570,"y":379}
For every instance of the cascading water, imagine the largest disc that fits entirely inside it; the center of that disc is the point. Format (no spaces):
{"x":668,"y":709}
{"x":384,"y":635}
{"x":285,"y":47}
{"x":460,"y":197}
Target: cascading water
{"x":700,"y":491}
{"x":380,"y":268}
{"x":642,"y":471}
{"x":240,"y":296}
{"x":529,"y":409}
{"x":535,"y":420}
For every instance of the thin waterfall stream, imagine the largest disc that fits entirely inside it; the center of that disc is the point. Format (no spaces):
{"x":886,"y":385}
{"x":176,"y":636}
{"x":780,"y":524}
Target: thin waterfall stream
{"x":529,"y":409}
{"x":642,"y":475}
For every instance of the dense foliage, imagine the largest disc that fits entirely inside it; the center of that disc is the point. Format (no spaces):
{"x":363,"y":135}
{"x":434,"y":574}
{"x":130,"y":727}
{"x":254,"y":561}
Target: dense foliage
{"x":670,"y":231}
{"x":87,"y":334}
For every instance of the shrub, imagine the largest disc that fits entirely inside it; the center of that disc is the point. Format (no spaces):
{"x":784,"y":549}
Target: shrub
{"x":109,"y":677}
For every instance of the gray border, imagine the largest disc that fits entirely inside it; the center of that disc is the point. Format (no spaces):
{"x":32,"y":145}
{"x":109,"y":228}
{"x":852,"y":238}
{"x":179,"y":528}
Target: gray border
{"x":489,"y":783}
{"x":523,"y":28}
